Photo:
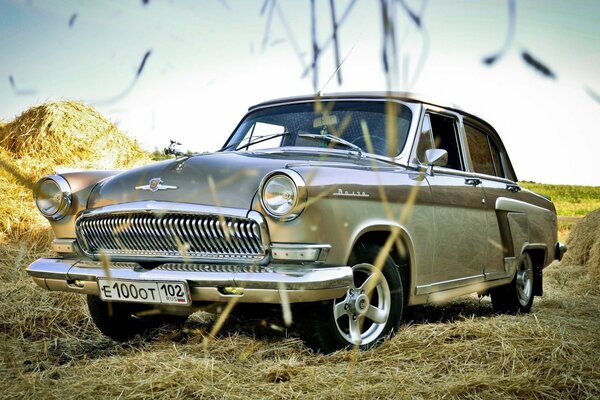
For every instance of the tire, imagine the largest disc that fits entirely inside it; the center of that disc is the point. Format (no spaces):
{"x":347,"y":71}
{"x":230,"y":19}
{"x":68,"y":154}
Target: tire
{"x":517,"y":296}
{"x":120,"y":322}
{"x":354,"y":319}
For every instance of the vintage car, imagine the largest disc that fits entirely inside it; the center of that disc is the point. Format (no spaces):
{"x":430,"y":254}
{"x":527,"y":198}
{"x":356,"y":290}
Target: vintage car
{"x":345,"y":209}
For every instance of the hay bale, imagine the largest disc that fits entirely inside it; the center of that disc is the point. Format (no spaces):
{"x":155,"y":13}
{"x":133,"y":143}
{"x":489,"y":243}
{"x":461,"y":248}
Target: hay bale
{"x":584,"y":245}
{"x":69,"y":133}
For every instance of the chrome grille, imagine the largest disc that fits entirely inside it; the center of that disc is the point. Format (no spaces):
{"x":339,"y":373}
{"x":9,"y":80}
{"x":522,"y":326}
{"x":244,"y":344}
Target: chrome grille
{"x":168,"y":234}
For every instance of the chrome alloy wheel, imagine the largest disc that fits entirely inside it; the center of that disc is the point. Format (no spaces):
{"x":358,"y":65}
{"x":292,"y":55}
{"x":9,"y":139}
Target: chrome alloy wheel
{"x":525,"y":281}
{"x":362,"y":314}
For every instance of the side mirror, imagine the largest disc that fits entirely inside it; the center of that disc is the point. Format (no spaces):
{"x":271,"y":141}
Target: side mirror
{"x":436,"y":157}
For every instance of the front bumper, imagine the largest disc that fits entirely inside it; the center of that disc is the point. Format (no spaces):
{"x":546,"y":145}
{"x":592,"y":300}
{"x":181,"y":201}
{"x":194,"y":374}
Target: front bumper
{"x":252,"y":283}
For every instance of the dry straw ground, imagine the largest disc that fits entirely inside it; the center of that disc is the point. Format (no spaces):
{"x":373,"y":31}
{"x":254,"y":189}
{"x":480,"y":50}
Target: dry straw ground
{"x":50,"y":349}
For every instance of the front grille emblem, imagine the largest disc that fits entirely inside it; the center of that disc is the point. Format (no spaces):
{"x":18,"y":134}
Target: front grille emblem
{"x":154,"y":185}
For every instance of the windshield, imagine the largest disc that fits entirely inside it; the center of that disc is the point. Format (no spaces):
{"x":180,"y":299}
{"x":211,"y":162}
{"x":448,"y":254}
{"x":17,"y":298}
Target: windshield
{"x":376,"y":127}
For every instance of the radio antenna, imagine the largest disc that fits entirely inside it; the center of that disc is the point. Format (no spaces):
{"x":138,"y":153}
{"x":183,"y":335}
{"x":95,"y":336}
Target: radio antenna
{"x":336,"y":70}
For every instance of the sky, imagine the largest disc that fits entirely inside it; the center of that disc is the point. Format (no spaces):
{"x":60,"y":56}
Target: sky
{"x":207,"y":61}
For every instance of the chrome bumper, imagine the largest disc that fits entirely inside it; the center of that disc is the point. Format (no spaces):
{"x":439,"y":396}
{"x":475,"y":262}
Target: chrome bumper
{"x":251,"y":284}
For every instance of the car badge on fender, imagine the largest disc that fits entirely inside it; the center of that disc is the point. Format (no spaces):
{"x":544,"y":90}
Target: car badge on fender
{"x":154,"y":185}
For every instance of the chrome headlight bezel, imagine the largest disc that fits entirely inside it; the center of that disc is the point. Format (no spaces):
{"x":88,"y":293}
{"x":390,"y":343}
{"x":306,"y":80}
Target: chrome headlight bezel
{"x":297,"y":187}
{"x":64,"y":196}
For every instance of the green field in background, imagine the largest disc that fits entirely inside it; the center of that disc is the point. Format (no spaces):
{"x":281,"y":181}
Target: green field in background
{"x":570,"y":200}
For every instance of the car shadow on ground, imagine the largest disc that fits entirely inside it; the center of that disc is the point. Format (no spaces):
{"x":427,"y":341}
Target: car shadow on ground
{"x":267,"y":323}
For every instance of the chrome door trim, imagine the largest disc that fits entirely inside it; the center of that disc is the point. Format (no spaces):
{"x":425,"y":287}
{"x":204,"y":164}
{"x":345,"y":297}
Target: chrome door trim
{"x":450,"y":284}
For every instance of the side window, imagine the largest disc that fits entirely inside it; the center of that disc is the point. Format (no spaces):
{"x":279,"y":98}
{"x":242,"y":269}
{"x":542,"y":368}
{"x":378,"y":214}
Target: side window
{"x":445,"y":136}
{"x":497,"y":159}
{"x":425,"y":140}
{"x":485,"y":154}
{"x":480,"y":151}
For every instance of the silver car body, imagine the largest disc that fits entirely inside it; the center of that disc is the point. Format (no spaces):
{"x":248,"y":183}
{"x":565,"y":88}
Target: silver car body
{"x":200,"y":219}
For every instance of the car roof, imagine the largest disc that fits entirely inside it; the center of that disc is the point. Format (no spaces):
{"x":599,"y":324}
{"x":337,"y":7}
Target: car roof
{"x":378,"y":95}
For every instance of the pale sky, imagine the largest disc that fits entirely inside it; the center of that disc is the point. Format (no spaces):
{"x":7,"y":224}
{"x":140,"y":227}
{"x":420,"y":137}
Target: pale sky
{"x":210,"y":60}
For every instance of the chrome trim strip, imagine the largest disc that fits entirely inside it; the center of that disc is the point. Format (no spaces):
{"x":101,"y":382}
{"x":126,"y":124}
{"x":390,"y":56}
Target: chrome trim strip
{"x":508,"y":204}
{"x":153,"y":206}
{"x":449,"y":284}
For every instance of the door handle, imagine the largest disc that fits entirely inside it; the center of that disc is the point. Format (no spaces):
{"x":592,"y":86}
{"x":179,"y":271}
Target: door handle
{"x":511,"y":187}
{"x":473,"y":181}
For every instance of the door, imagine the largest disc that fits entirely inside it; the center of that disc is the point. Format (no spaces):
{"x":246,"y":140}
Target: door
{"x":460,"y":241}
{"x":486,"y":161}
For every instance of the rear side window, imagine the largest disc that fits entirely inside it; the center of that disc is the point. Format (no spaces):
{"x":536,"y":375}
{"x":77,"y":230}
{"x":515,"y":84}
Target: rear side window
{"x":445,"y":136}
{"x":485,"y":154}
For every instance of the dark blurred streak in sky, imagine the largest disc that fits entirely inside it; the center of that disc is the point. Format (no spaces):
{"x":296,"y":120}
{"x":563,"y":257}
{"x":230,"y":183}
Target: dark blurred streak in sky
{"x":145,"y":2}
{"x":417,"y":19}
{"x":269,"y":20}
{"x":143,"y":63}
{"x":224,"y":4}
{"x":329,"y":40}
{"x":315,"y":44}
{"x":510,"y":34}
{"x":389,"y":55}
{"x":411,"y":14}
{"x":129,"y":88}
{"x":336,"y":43}
{"x":72,"y":20}
{"x":537,"y":65}
{"x":592,"y":94}
{"x":20,"y":92}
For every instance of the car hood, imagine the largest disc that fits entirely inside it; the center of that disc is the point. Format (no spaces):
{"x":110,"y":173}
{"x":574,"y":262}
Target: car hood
{"x":227,"y":179}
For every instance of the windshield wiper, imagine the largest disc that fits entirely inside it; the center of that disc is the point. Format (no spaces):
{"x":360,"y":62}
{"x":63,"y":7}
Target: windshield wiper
{"x":332,"y":138}
{"x":255,"y":140}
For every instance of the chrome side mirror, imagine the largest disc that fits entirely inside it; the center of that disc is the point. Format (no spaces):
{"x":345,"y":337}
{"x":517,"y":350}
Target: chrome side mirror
{"x":435,"y":158}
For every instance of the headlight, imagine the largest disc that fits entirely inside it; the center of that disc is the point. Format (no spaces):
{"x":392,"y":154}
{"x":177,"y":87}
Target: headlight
{"x":283,"y":194}
{"x":52,"y":196}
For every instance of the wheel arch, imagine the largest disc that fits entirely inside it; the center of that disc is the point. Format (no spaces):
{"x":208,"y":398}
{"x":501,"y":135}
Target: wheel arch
{"x":402,"y":252}
{"x":539,"y":255}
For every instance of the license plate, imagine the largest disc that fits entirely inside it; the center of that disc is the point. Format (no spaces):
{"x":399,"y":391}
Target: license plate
{"x":157,"y":292}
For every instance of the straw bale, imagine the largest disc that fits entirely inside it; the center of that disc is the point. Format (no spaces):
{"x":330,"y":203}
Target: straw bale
{"x":69,"y":133}
{"x":584,"y":247}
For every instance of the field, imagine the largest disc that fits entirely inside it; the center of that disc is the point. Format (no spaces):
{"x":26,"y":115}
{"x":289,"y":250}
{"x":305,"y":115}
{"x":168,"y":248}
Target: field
{"x":572,"y":202}
{"x":49,"y":347}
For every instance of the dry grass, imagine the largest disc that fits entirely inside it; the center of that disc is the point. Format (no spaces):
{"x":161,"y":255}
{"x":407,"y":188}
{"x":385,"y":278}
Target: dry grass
{"x":50,"y":349}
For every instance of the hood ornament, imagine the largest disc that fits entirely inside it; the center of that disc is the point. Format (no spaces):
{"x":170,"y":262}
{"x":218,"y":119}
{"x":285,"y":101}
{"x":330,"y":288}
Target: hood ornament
{"x":154,"y":185}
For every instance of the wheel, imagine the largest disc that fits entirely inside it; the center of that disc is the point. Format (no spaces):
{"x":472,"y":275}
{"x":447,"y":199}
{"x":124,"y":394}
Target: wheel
{"x":517,"y":296}
{"x":370,"y":311}
{"x":121,"y":322}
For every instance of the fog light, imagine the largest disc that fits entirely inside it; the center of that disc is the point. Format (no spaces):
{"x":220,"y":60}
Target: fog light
{"x":233,"y":290}
{"x":299,"y":252}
